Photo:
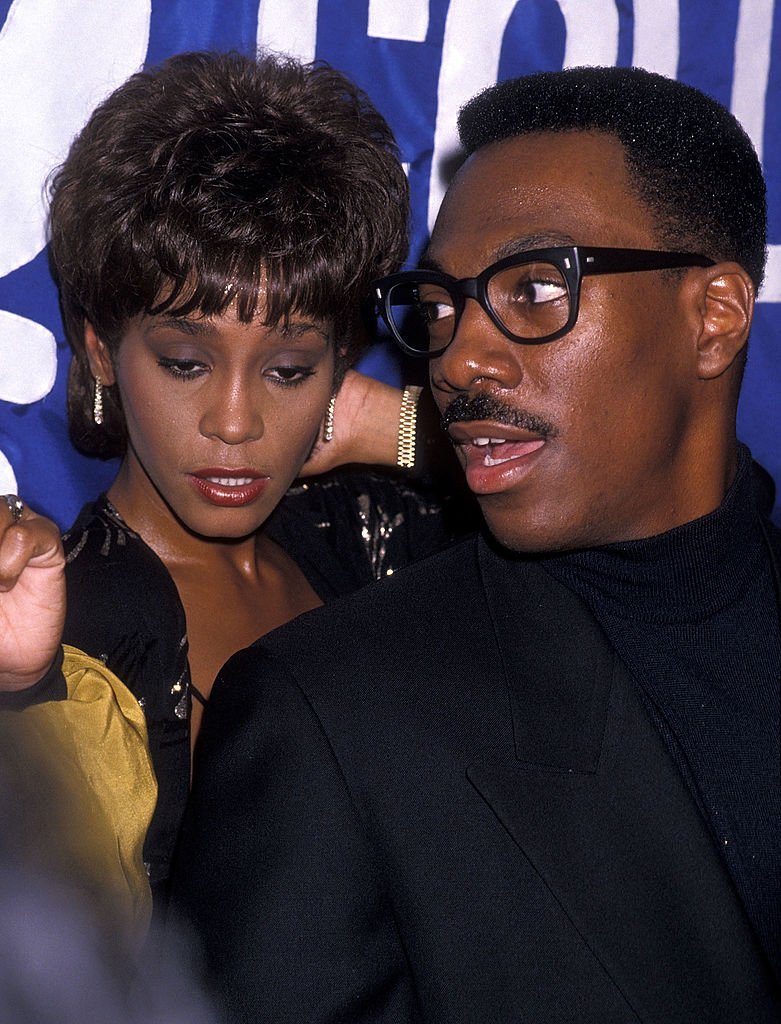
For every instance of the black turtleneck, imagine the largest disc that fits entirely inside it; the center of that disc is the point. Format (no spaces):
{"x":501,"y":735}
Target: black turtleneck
{"x":694,"y":615}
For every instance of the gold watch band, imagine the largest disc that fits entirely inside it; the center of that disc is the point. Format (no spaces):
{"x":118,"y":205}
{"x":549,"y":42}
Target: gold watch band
{"x":408,"y":416}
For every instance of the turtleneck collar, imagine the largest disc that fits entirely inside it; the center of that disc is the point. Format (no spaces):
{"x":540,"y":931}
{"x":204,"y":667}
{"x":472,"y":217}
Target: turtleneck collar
{"x":684,"y":575}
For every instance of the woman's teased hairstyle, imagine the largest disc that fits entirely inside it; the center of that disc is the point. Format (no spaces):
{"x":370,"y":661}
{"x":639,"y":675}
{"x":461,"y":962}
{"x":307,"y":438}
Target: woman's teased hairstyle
{"x":688,"y":158}
{"x":202,"y":179}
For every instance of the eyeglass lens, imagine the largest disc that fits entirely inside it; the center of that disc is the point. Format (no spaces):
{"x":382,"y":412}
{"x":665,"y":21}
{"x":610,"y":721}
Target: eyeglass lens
{"x":531,"y":301}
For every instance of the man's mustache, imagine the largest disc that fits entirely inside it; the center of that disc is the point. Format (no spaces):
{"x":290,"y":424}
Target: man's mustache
{"x":486,"y":407}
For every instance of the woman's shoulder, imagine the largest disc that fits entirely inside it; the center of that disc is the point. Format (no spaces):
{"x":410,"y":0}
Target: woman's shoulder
{"x":120,"y":595}
{"x":99,"y":539}
{"x":357,"y":525}
{"x":104,"y":558}
{"x":358,"y":489}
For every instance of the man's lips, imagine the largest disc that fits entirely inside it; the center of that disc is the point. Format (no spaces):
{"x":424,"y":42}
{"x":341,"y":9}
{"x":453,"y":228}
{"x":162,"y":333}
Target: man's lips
{"x":498,"y":451}
{"x":489,"y":436}
{"x":229,"y":488}
{"x":494,"y":454}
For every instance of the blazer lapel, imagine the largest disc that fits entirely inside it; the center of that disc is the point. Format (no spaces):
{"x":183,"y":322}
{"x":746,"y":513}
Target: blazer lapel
{"x":592,"y":798}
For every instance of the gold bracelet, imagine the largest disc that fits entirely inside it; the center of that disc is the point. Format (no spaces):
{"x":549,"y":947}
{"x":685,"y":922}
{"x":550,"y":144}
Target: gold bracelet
{"x":408,"y":415}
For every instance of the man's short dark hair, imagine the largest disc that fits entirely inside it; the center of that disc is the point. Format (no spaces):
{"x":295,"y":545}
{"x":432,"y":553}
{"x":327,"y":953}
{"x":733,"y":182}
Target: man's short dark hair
{"x":690,"y":161}
{"x":202,"y":179}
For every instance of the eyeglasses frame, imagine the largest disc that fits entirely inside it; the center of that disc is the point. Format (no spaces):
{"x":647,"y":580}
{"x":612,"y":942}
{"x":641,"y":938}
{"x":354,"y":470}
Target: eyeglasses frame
{"x":573,"y":261}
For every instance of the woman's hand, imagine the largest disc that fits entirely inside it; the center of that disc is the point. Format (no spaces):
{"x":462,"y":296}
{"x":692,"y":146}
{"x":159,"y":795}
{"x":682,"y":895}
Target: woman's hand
{"x":366,"y":426}
{"x":32,"y":596}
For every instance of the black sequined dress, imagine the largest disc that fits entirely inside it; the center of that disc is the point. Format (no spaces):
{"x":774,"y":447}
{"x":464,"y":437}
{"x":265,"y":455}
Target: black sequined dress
{"x":343,"y":531}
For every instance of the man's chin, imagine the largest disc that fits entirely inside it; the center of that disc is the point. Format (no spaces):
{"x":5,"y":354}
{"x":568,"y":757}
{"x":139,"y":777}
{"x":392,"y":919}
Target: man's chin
{"x":522,"y":532}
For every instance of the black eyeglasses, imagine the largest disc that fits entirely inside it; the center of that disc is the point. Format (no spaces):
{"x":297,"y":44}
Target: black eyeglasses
{"x":532,"y":297}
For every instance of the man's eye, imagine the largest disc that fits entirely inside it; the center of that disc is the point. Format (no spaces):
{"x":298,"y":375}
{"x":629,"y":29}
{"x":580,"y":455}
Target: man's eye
{"x":433,"y":304}
{"x":537,"y":291}
{"x":182,"y":369}
{"x":431,"y":312}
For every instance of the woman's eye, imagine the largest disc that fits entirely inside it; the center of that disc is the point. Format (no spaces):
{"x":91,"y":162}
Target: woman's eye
{"x":289,"y":375}
{"x":182,"y":369}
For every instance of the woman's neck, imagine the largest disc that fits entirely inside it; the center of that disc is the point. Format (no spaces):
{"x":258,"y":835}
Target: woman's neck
{"x":144,"y":510}
{"x":233,"y":591}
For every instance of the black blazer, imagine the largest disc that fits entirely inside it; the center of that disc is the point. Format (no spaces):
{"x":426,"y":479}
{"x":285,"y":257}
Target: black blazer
{"x":443,"y":801}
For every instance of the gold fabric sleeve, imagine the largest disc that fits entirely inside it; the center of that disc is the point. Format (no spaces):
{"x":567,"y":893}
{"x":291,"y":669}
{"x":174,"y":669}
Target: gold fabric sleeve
{"x":92,"y":754}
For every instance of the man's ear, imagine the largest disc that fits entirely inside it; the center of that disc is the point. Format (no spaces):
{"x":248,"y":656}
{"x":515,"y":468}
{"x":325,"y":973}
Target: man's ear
{"x":98,"y":355}
{"x":726,"y":305}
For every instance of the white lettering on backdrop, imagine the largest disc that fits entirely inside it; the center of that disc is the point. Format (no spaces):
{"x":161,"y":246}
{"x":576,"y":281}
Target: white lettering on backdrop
{"x":288,"y":28}
{"x":401,"y":19}
{"x":470,"y":62}
{"x":58,"y":60}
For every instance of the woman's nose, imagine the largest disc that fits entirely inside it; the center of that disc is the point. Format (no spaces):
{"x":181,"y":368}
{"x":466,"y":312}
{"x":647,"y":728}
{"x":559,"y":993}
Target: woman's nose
{"x":233,"y":413}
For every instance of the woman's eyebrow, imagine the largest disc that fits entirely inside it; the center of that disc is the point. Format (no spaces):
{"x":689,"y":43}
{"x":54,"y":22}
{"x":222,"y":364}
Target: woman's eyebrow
{"x":298,"y":328}
{"x":198,"y":327}
{"x":183,"y":324}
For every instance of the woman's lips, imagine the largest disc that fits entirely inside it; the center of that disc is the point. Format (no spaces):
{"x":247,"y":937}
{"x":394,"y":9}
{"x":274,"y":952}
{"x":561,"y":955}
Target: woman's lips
{"x":229,"y":488}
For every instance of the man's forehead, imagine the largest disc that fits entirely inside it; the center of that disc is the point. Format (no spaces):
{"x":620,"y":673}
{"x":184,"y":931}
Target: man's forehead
{"x":540,"y":190}
{"x":517,"y":243}
{"x":541,"y":161}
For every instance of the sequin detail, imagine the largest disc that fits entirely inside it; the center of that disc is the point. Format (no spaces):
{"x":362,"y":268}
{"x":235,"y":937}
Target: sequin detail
{"x":79,"y":547}
{"x":376,"y":530}
{"x":117,"y":536}
{"x":180,"y":683}
{"x":182,"y":709}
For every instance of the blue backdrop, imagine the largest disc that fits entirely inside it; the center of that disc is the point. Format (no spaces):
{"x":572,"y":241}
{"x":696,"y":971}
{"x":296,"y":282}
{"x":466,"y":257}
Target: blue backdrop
{"x":419,"y":61}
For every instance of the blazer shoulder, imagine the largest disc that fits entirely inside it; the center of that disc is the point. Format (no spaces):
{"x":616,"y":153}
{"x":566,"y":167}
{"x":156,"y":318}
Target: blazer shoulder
{"x":356,"y":648}
{"x":395,"y":605}
{"x":773,"y":534}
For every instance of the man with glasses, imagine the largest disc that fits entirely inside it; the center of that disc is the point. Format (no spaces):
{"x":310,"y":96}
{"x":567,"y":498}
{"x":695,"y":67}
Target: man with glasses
{"x":536,"y":778}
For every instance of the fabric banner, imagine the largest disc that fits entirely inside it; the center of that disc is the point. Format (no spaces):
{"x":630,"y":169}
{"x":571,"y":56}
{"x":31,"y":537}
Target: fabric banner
{"x":419,"y":60}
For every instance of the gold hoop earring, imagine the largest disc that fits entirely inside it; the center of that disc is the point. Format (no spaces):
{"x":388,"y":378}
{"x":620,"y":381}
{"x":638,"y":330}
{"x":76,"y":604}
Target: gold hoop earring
{"x":328,"y":422}
{"x":97,"y":405}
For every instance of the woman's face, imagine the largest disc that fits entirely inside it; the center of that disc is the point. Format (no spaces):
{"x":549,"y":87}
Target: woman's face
{"x":220,"y":414}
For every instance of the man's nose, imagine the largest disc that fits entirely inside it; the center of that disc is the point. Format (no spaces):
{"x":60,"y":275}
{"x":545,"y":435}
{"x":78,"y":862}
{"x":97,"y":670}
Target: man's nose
{"x":479,"y":352}
{"x":233,"y":413}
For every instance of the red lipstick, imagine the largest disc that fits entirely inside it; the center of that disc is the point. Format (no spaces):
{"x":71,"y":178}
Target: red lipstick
{"x":229,"y":488}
